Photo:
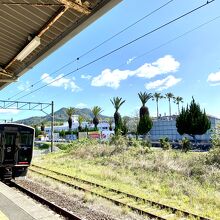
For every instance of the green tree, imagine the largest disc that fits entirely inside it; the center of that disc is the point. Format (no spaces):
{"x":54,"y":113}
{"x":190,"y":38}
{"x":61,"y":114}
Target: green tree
{"x":96,"y":110}
{"x":144,"y":97}
{"x":37,"y":130}
{"x":70,"y":111}
{"x":42,"y":127}
{"x":169,"y":96}
{"x":178,"y":100}
{"x":117,"y":103}
{"x":156,"y":97}
{"x":80,"y":120}
{"x":192,"y":120}
{"x":125,"y":125}
{"x":145,"y":122}
{"x":144,"y":125}
{"x":110,"y":122}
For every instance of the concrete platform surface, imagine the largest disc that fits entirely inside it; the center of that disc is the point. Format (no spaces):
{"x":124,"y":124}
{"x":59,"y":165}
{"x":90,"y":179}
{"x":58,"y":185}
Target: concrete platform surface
{"x":16,"y":206}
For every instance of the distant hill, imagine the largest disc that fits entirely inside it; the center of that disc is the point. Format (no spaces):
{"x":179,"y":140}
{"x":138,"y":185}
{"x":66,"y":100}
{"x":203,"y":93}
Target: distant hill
{"x":60,"y":116}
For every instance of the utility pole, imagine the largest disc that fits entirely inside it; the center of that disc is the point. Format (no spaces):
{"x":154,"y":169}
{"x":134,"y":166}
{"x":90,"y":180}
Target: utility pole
{"x":52,"y":124}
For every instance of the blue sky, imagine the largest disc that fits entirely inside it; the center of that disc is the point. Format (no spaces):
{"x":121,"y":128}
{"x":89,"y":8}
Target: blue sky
{"x":188,"y":66}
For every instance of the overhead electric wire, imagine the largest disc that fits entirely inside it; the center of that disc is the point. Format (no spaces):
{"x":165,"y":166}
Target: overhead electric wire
{"x":122,"y":46}
{"x":172,"y":40}
{"x":94,"y":48}
{"x":167,"y":42}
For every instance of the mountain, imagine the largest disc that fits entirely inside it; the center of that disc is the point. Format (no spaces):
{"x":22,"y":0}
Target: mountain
{"x":60,"y":116}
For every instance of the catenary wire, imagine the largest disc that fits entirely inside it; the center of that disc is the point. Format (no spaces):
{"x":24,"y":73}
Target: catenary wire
{"x":166,"y":43}
{"x":94,"y":48}
{"x":119,"y":48}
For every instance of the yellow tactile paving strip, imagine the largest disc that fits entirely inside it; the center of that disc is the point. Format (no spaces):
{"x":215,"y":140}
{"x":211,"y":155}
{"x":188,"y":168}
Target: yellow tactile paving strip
{"x":3,"y":217}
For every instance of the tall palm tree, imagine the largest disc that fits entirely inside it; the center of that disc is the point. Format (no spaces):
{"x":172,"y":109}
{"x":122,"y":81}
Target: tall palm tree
{"x":169,"y":96}
{"x":96,"y":110}
{"x":145,"y":122}
{"x":144,"y":97}
{"x":117,"y":103}
{"x":178,"y":100}
{"x":156,"y":96}
{"x":70,"y":111}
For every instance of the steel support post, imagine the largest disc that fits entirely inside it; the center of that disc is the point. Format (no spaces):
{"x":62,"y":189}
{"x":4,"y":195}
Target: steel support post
{"x":52,"y":124}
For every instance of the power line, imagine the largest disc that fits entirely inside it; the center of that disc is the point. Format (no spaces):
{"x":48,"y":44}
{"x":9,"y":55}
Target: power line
{"x":94,"y":48}
{"x":119,"y":48}
{"x":172,"y":40}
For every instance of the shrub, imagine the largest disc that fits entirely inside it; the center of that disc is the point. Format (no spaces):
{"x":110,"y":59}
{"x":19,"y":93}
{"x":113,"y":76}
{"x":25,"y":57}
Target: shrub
{"x":165,"y":144}
{"x":185,"y":144}
{"x":43,"y":146}
{"x":214,"y":154}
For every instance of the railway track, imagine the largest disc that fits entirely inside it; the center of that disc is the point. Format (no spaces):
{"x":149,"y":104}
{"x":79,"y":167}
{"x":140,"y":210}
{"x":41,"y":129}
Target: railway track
{"x":138,"y":204}
{"x":52,"y":206}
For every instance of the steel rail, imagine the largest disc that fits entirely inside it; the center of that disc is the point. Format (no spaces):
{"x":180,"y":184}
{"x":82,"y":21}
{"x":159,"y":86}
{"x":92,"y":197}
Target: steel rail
{"x":43,"y":201}
{"x":137,"y":198}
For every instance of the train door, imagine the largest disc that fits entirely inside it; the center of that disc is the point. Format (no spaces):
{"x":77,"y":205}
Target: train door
{"x":9,"y":148}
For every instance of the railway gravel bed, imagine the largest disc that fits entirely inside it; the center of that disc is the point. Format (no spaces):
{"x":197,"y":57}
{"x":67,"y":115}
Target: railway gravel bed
{"x":64,"y":201}
{"x":73,"y":203}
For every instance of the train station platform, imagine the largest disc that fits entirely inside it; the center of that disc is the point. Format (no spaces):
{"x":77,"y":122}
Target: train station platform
{"x":16,"y":206}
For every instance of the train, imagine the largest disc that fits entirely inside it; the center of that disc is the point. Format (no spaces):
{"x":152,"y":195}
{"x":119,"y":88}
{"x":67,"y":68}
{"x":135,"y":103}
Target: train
{"x":16,"y":150}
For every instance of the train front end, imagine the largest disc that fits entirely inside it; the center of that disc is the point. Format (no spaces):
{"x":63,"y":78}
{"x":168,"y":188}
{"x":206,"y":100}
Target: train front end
{"x":16,"y":150}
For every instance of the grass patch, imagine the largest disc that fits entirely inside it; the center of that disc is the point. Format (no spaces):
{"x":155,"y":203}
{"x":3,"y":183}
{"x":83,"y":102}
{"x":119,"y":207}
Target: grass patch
{"x":183,"y":180}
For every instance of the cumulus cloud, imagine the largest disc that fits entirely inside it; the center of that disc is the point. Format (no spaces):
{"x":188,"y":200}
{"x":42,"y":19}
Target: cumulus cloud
{"x":60,"y":81}
{"x":9,"y":111}
{"x":86,"y":76}
{"x":130,"y":60}
{"x":166,"y":64}
{"x":214,"y":79}
{"x":81,"y":105}
{"x":162,"y":84}
{"x":24,"y":86}
{"x":112,"y":78}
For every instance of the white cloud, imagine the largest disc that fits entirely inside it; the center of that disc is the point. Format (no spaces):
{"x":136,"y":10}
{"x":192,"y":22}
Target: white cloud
{"x":214,"y":79}
{"x":130,"y":60}
{"x":162,"y":84}
{"x":163,"y":65}
{"x":24,"y":86}
{"x":81,"y":105}
{"x":86,"y":77}
{"x":60,"y":81}
{"x":112,"y":78}
{"x":9,"y":111}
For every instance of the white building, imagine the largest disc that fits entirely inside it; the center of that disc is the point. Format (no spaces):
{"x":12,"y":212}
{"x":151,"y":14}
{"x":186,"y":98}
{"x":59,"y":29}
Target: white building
{"x":166,"y":127}
{"x":102,"y":126}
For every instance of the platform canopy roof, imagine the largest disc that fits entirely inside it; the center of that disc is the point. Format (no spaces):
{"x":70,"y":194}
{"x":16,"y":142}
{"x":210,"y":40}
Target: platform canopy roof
{"x":32,"y":29}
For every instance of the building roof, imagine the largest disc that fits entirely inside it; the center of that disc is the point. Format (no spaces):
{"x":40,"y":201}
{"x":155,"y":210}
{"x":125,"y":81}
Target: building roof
{"x":31,"y":30}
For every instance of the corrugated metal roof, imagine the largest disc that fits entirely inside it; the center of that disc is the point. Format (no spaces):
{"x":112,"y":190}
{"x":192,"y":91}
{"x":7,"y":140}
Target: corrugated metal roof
{"x":54,"y":21}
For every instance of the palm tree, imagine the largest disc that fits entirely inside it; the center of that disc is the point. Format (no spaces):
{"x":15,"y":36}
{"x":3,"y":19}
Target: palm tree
{"x":156,"y":96}
{"x":145,"y":122}
{"x":110,"y":122}
{"x":70,"y":111}
{"x":169,"y":96}
{"x":96,"y":110}
{"x":80,"y":120}
{"x":144,"y":97}
{"x":178,"y":100}
{"x":117,"y":103}
{"x":42,"y":127}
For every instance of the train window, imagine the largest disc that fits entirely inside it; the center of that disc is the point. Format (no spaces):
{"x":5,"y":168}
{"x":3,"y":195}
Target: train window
{"x":10,"y":139}
{"x":26,"y":139}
